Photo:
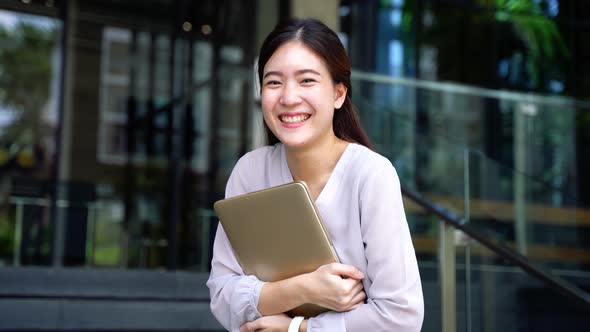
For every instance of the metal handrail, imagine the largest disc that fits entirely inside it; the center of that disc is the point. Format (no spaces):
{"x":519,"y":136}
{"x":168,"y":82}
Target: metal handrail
{"x":450,"y":218}
{"x":469,"y":90}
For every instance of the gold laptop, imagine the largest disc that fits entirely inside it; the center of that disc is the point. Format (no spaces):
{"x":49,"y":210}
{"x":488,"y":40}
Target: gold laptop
{"x":277,"y":233}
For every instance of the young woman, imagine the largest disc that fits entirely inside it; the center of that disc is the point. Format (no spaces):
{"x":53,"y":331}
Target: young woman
{"x":316,"y":137}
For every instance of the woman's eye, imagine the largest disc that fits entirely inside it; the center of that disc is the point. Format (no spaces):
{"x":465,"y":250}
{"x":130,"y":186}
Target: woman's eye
{"x":272,"y":83}
{"x":308,"y":80}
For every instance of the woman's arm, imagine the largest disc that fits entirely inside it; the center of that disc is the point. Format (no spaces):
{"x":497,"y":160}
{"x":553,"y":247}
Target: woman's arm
{"x":334,"y":286}
{"x":234,"y":296}
{"x":237,"y":299}
{"x":394,"y":299}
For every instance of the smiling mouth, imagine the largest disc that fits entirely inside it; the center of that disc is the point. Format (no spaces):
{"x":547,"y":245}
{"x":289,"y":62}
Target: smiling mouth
{"x":294,"y":118}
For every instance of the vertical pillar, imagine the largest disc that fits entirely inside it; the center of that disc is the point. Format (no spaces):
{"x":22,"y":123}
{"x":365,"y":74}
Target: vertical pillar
{"x":520,"y":161}
{"x":61,"y":174}
{"x":446,"y":265}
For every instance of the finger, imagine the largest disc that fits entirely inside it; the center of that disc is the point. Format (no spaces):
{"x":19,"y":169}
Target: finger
{"x":355,"y":302}
{"x":356,"y":306}
{"x":359,"y":298}
{"x":357,"y":288}
{"x":250,"y":326}
{"x":348,"y":284}
{"x":346,"y":270}
{"x":356,"y":297}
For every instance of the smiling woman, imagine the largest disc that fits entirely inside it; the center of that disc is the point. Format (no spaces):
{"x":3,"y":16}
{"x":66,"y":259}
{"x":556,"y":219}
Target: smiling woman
{"x":346,"y":123}
{"x":298,"y":93}
{"x":316,"y":137}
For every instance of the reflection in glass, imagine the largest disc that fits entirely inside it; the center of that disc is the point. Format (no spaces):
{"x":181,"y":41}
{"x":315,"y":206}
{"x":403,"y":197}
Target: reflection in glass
{"x":154,"y":118}
{"x":29,"y":55}
{"x":527,"y":200}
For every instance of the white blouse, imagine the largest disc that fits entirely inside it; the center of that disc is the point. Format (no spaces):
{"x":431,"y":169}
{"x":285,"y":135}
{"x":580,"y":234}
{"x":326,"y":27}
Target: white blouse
{"x":361,"y":207}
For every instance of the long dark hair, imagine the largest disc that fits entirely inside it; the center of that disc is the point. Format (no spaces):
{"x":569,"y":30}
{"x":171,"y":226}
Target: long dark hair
{"x":325,"y":43}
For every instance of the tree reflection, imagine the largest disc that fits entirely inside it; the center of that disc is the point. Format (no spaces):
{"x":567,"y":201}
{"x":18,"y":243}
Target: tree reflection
{"x":25,"y":76}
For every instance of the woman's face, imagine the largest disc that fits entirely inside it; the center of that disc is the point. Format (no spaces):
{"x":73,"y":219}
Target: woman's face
{"x":299,"y":96}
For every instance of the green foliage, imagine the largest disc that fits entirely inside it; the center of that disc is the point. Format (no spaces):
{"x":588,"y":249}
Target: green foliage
{"x":25,"y":74}
{"x":583,"y":122}
{"x":6,"y":232}
{"x":107,"y":251}
{"x":457,"y":32}
{"x":107,"y":255}
{"x":539,"y":32}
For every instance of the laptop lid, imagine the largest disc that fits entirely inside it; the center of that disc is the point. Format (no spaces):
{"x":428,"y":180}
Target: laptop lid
{"x":276,"y":233}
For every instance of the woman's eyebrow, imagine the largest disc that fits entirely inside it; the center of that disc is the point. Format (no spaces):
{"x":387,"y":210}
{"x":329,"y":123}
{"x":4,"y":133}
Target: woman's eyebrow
{"x":307,"y":71}
{"x":299,"y":72}
{"x":276,"y":73}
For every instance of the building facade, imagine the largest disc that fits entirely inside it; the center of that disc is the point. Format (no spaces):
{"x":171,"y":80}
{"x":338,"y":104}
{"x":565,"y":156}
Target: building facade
{"x":120,"y":122}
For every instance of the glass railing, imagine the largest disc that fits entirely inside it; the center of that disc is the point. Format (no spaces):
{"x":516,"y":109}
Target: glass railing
{"x":532,"y":134}
{"x":517,"y":209}
{"x":495,"y":295}
{"x":505,"y":163}
{"x":26,"y":234}
{"x":476,"y":283}
{"x":92,"y":232}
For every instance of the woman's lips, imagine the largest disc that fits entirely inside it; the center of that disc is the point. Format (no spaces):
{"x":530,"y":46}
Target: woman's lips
{"x":293,"y":120}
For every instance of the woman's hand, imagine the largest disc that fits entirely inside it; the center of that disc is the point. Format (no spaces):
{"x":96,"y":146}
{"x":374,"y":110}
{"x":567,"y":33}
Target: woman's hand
{"x":335,"y":286}
{"x":279,"y":323}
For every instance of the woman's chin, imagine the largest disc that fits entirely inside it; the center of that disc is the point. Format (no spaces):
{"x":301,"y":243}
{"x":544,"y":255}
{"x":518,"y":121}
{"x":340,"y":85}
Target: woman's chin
{"x":293,"y":143}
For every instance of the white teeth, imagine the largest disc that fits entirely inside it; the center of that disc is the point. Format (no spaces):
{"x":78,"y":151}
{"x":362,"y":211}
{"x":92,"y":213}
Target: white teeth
{"x":294,"y":119}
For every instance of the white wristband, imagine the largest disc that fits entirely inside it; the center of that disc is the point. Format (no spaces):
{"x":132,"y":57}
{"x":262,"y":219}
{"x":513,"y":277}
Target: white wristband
{"x":295,"y":323}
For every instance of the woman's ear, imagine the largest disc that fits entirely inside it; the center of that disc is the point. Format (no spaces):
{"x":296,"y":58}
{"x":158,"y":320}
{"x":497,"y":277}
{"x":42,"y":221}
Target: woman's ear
{"x":340,"y":95}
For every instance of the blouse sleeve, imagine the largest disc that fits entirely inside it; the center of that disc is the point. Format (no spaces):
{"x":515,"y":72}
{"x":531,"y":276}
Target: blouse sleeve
{"x":234,"y":296}
{"x":394,"y":299}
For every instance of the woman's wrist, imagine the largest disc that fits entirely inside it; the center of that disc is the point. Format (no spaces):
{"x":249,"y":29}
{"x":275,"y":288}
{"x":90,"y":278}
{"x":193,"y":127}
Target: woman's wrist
{"x":305,"y":295}
{"x":281,"y":296}
{"x":303,"y":326}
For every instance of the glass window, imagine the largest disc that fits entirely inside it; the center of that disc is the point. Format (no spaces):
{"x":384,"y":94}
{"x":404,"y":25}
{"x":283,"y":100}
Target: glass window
{"x":29,"y":85}
{"x":114,"y":90}
{"x":154,"y":118}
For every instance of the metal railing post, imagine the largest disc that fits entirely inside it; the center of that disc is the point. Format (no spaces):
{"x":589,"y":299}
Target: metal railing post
{"x":468,"y":293}
{"x":446,"y":265}
{"x":18,"y":232}
{"x":520,"y":162}
{"x":466,"y":243}
{"x":91,"y":210}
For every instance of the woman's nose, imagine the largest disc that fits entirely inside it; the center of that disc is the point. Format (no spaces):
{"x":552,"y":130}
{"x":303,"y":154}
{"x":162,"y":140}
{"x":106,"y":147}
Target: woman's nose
{"x":290,"y":96}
